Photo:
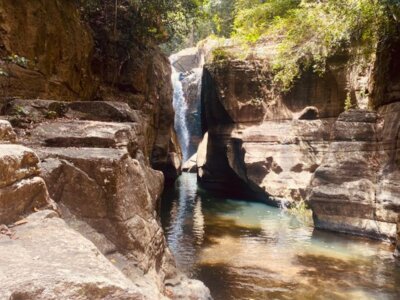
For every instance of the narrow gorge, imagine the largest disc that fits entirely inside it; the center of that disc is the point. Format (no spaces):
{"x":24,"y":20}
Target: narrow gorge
{"x":198,"y":150}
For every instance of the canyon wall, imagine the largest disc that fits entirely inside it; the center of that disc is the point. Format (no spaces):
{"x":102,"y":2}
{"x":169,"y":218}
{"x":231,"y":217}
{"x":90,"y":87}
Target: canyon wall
{"x":80,"y":142}
{"x":283,"y":148}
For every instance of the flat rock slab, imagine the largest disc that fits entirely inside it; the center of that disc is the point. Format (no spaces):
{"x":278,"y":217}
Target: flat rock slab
{"x":16,"y":162}
{"x":45,"y":259}
{"x":37,"y":110}
{"x":7,"y":133}
{"x":70,"y":133}
{"x":103,"y":111}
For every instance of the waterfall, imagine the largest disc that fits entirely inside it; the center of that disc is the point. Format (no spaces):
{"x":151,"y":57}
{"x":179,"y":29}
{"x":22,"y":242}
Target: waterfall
{"x":180,"y":107}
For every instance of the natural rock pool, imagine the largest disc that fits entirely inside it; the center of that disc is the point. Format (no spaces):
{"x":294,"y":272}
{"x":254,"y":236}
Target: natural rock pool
{"x":248,"y":250}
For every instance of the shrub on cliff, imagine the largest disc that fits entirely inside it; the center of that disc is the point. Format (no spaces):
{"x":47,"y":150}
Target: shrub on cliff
{"x":308,"y":32}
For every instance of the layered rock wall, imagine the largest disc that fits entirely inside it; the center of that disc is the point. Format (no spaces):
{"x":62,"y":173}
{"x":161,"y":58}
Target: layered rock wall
{"x":301,"y":146}
{"x":267,"y":141}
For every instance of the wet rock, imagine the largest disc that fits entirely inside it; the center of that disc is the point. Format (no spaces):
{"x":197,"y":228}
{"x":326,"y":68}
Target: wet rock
{"x":48,"y":260}
{"x":191,"y":165}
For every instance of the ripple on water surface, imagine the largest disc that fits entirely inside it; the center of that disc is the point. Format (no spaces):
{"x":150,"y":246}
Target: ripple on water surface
{"x":248,"y":250}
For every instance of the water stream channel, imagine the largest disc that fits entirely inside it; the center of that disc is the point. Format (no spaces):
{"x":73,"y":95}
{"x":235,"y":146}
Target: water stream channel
{"x":248,"y":250}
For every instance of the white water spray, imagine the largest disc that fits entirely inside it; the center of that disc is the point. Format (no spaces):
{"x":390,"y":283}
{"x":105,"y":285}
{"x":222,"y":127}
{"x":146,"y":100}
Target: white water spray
{"x":180,"y":107}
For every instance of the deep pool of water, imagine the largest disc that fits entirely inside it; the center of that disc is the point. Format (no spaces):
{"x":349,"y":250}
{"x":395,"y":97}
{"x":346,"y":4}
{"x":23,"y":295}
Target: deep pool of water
{"x":248,"y":250}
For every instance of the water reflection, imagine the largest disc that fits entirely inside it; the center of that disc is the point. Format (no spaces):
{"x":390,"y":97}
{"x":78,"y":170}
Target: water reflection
{"x":245,"y":250}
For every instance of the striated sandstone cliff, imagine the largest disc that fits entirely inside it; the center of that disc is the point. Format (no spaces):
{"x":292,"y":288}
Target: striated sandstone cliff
{"x":282,"y":148}
{"x":271,"y":142}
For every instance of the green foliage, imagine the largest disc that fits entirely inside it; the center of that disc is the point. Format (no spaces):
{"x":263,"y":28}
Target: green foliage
{"x":254,"y":17}
{"x":309,"y":32}
{"x":347,"y":103}
{"x":12,"y":59}
{"x":140,"y":19}
{"x":18,"y":60}
{"x":3,"y":73}
{"x":220,"y":55}
{"x":210,"y":17}
{"x":302,"y":212}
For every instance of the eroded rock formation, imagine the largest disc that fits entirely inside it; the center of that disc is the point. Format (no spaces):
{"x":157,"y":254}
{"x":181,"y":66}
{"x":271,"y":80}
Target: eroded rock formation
{"x":301,"y":145}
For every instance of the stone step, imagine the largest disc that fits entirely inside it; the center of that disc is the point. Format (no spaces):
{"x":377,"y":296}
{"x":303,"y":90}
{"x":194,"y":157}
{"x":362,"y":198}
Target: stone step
{"x":16,"y":163}
{"x":72,"y":133}
{"x":37,"y":110}
{"x":21,"y":198}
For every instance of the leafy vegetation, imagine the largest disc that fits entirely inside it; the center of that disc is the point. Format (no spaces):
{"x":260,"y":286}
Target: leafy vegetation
{"x":141,"y":19}
{"x":309,"y":32}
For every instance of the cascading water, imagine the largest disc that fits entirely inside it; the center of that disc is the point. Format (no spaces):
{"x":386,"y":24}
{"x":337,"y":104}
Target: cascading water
{"x":180,"y":107}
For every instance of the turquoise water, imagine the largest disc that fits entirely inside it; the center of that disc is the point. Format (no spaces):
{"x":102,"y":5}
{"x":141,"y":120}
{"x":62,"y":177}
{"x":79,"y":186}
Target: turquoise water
{"x":248,"y":250}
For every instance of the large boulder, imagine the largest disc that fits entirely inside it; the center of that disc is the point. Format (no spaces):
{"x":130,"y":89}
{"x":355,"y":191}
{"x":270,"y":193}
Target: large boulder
{"x":45,"y":259}
{"x":112,"y":192}
{"x":98,"y":174}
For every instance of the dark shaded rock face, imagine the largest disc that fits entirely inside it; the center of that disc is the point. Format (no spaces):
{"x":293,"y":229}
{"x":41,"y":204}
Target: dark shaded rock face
{"x":59,"y":59}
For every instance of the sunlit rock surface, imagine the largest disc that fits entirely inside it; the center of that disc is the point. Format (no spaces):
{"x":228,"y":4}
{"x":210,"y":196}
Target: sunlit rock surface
{"x":97,"y":173}
{"x":21,"y":190}
{"x":46,"y":259}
